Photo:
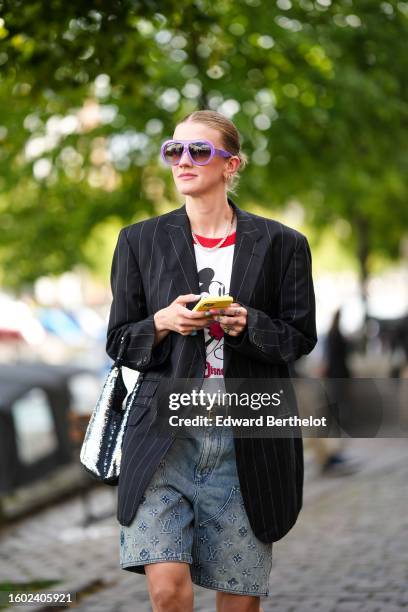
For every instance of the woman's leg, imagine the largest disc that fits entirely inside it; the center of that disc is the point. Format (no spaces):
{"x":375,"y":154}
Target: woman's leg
{"x":170,"y":586}
{"x":227,"y":602}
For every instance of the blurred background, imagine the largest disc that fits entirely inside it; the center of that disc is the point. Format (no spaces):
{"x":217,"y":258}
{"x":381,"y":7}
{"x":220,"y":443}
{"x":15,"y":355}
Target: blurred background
{"x":319,"y":93}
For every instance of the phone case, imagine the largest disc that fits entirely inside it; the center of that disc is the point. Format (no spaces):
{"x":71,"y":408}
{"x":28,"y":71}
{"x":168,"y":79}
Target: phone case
{"x":213,"y":302}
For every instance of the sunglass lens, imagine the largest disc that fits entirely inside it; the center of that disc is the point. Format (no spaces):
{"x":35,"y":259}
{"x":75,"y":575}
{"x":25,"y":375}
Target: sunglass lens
{"x":173,"y":152}
{"x":200,"y":152}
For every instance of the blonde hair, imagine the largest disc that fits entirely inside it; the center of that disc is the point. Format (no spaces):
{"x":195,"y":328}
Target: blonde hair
{"x":230,"y":139}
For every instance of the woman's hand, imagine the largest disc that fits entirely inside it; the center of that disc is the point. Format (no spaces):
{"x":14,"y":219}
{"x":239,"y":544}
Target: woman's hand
{"x":176,"y":317}
{"x":233,"y":319}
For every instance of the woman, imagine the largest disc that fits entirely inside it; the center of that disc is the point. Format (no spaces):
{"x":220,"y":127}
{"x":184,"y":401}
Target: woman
{"x":207,"y":508}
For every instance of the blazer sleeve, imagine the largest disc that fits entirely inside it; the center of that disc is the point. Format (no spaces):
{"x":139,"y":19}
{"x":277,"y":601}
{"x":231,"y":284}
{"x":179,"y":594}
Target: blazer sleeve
{"x":128,"y":313}
{"x":293,"y":332}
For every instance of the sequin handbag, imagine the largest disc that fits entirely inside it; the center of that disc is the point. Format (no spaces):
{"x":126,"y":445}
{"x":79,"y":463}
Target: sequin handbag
{"x":101,"y":449}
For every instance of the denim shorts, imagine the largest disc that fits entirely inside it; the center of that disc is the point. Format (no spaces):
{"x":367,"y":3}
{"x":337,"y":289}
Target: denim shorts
{"x":192,"y":511}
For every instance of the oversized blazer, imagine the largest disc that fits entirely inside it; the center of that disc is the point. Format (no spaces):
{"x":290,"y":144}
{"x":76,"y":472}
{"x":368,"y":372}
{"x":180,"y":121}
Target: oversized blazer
{"x":153,"y":263}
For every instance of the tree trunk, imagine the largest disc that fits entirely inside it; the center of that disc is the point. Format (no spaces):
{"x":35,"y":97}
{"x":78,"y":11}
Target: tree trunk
{"x":363,"y":249}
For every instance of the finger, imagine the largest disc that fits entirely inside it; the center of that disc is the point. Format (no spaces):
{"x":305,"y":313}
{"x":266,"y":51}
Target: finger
{"x":242,"y":310}
{"x":236,"y":310}
{"x":189,"y":297}
{"x":232,"y":321}
{"x":187,"y":319}
{"x":229,"y":312}
{"x":234,"y":332}
{"x":215,"y":311}
{"x":228,"y":329}
{"x":191,"y":325}
{"x":197,"y":315}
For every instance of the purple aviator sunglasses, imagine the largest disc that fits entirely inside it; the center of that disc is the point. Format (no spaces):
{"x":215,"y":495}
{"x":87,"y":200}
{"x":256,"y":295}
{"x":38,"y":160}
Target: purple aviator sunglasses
{"x":200,"y":152}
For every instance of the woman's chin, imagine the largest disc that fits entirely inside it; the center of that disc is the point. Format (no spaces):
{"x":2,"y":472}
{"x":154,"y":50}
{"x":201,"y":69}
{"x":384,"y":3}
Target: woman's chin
{"x":185,"y":190}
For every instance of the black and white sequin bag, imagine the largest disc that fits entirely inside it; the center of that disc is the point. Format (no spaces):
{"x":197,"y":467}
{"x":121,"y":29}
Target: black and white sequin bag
{"x":101,"y":449}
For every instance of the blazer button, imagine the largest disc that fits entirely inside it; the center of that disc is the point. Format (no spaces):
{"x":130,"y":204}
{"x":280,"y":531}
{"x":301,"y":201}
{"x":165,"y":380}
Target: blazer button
{"x":256,"y":340}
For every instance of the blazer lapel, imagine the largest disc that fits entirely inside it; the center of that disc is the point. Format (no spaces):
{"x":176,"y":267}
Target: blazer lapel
{"x":248,"y":258}
{"x":180,"y":258}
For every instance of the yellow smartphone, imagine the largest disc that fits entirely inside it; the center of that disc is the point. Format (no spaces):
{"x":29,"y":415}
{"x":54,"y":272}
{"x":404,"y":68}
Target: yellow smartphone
{"x":213,"y":301}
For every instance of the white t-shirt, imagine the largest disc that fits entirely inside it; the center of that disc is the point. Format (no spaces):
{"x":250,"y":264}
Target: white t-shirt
{"x":214,"y":276}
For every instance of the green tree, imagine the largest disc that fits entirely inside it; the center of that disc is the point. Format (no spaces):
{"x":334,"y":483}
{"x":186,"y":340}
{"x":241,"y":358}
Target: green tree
{"x":317,"y":89}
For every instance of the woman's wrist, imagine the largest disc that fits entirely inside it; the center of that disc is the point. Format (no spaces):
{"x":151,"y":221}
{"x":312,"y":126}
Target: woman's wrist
{"x":160,"y":331}
{"x":159,"y":322}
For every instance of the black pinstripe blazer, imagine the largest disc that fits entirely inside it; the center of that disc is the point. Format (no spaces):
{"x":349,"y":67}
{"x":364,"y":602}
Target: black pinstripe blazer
{"x":153,"y":263}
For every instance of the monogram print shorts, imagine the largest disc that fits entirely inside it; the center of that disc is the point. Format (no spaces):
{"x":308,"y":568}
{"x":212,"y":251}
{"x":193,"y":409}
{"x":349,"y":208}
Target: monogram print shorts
{"x":193,"y":511}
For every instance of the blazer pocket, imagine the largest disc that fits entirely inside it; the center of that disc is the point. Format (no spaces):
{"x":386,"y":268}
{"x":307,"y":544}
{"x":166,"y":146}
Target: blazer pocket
{"x":144,"y":394}
{"x":147,"y":388}
{"x":141,"y":403}
{"x":136,"y":414}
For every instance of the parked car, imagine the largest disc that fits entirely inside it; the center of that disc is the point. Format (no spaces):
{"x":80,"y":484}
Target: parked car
{"x":40,"y":433}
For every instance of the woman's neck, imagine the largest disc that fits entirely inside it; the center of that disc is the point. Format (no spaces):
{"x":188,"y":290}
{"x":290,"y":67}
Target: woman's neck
{"x":208,"y":217}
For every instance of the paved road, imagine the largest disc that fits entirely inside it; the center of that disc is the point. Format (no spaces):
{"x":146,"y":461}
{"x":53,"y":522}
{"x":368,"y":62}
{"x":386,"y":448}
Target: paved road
{"x":348,"y":550}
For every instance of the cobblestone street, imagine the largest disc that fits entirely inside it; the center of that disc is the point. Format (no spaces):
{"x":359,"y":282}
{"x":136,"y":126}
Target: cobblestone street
{"x":348,"y":550}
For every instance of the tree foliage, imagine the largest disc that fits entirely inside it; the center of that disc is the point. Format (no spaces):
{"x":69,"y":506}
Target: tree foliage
{"x":317,"y":89}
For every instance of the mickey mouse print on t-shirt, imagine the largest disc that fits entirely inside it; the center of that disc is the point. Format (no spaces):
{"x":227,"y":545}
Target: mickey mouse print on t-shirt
{"x":209,"y":286}
{"x":214,"y":274}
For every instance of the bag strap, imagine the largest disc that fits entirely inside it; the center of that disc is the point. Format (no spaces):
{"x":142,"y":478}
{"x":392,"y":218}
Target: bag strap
{"x":122,"y":348}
